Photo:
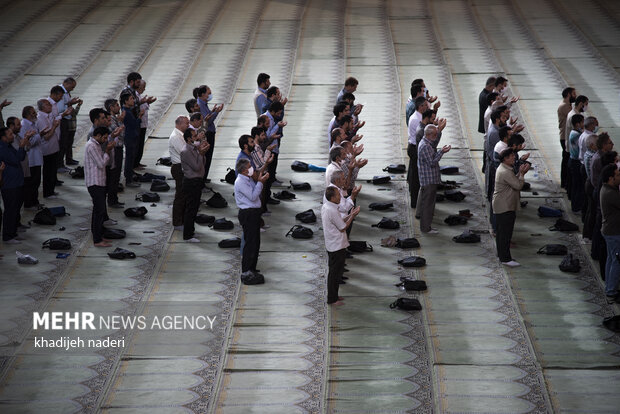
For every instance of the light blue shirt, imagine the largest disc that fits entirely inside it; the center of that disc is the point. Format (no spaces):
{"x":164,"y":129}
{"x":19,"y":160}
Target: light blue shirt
{"x":63,"y":104}
{"x":247,"y":192}
{"x":409,"y":110}
{"x":262,"y":102}
{"x":204,"y":110}
{"x":35,"y":156}
{"x":273,"y":129}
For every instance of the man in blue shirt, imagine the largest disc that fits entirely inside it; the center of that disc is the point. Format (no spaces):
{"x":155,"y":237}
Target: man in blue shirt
{"x":260,"y":95}
{"x":132,"y":133}
{"x":350,"y":85}
{"x":274,"y":135}
{"x":247,"y":197}
{"x":203,"y":95}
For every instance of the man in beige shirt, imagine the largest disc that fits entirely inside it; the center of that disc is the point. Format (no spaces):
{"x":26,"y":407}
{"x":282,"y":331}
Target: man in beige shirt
{"x":506,"y":202}
{"x":568,"y":97}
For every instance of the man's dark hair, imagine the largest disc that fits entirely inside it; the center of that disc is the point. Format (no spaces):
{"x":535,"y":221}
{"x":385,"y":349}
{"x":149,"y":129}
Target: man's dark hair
{"x":506,"y":153}
{"x":491,"y":81}
{"x":335,"y":153}
{"x":330,"y":192}
{"x":261,"y":119}
{"x":187,"y":134}
{"x":418,"y":81}
{"x":347,"y":96}
{"x":428,"y":114}
{"x":567,"y":91}
{"x":502,"y":108}
{"x":351,"y":81}
{"x":189,"y":105}
{"x":416,"y":89}
{"x":503,"y":132}
{"x":243,"y":140}
{"x":3,"y":131}
{"x":577,"y":118}
{"x":133,"y":76}
{"x":419,"y":101}
{"x":10,"y":121}
{"x":603,"y":137}
{"x":124,"y":98}
{"x":101,"y":131}
{"x":69,"y":80}
{"x":515,"y":139}
{"x":495,"y":115}
{"x":339,"y":108}
{"x":201,"y":90}
{"x":581,"y":99}
{"x":195,"y":116}
{"x":273,"y":90}
{"x":608,"y":158}
{"x":500,"y":80}
{"x":276,"y":107}
{"x":94,"y":114}
{"x":27,"y":110}
{"x":334,"y":134}
{"x":608,"y":172}
{"x":345,"y":119}
{"x":492,"y":97}
{"x":108,"y":104}
{"x":256,"y":131}
{"x":262,"y":78}
{"x":57,"y":90}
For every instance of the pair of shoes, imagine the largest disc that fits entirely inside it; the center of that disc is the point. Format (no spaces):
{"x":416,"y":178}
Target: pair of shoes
{"x":345,"y":278}
{"x":611,"y":299}
{"x":178,"y":227}
{"x":258,"y":273}
{"x":207,"y":180}
{"x":72,"y":162}
{"x":262,"y":230}
{"x":417,"y":217}
{"x":12,"y":241}
{"x":349,"y":255}
{"x":272,"y":201}
{"x":277,"y":183}
{"x":431,"y":231}
{"x":53,"y":196}
{"x":266,"y":213}
{"x":62,"y":170}
{"x":110,"y":222}
{"x":346,"y":270}
{"x":265,"y":226}
{"x":511,"y":263}
{"x":192,"y":240}
{"x":132,"y":184}
{"x":117,"y":205}
{"x":251,"y":278}
{"x":342,"y":282}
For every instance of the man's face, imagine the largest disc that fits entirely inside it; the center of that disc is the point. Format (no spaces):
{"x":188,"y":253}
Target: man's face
{"x":141,"y":87}
{"x":343,"y":135}
{"x":510,"y":160}
{"x":196,"y":122}
{"x":183,"y":124}
{"x":196,"y":107}
{"x":336,"y":198}
{"x":615,"y":180}
{"x":56,"y":96}
{"x":503,"y":117}
{"x":423,"y":107}
{"x":115,"y":108}
{"x":17,"y":126}
{"x":573,"y":95}
{"x":100,"y":120}
{"x":262,"y":137}
{"x":267,"y":84}
{"x":47,"y":107}
{"x":102,"y":139}
{"x":107,"y":120}
{"x":609,"y":145}
{"x":193,"y":136}
{"x":32,"y":115}
{"x":9,"y":136}
{"x":250,"y":144}
{"x":278,"y":114}
{"x":130,"y":102}
{"x":69,"y":86}
{"x":346,"y":127}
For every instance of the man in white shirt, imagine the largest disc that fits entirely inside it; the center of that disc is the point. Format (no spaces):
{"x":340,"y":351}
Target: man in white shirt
{"x":145,"y":104}
{"x":176,"y":143}
{"x":590,"y":126}
{"x":47,"y":125}
{"x":421,"y":105}
{"x":336,"y":241}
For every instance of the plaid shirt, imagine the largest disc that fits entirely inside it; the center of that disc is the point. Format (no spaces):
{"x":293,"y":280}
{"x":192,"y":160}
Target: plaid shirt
{"x":259,"y":156}
{"x":428,"y":163}
{"x":95,"y":161}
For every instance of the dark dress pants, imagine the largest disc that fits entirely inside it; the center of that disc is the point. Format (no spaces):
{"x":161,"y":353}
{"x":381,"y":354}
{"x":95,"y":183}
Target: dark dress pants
{"x":210,"y":135}
{"x":130,"y":155}
{"x":577,"y":185}
{"x":192,"y":190}
{"x":67,"y":136}
{"x":413,"y":179}
{"x":588,"y":224}
{"x":564,"y":168}
{"x":114,"y":176}
{"x":505,"y":227}
{"x":335,"y":262}
{"x":140,"y":147}
{"x":49,"y":174}
{"x":13,"y":199}
{"x":178,"y":205}
{"x":31,"y":187}
{"x":97,"y":193}
{"x":426,"y":206}
{"x":249,"y":218}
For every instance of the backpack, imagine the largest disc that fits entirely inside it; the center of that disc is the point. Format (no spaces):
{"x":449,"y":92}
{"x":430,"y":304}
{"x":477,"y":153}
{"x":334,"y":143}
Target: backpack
{"x":301,"y":186}
{"x":448,"y":185}
{"x":381,"y":206}
{"x":230,"y":243}
{"x":412,"y":261}
{"x":299,"y":166}
{"x":136,"y":212}
{"x":167,"y":161}
{"x":406,"y":304}
{"x":439,"y":198}
{"x":148,"y":197}
{"x":217,"y":201}
{"x":57,"y":243}
{"x":454,"y":220}
{"x":230,"y":176}
{"x":449,"y":170}
{"x":114,"y":234}
{"x":222,"y":224}
{"x":564,"y":225}
{"x":612,"y":323}
{"x":77,"y":172}
{"x":454,"y":195}
{"x":387,"y":223}
{"x":58,"y":211}
{"x":300,"y":232}
{"x":396,"y":168}
{"x":307,"y":216}
{"x":380,"y":179}
{"x":553,"y":250}
{"x":204,"y":219}
{"x":570,"y":264}
{"x":122,"y":254}
{"x":544,"y":211}
{"x":159,"y":185}
{"x":148,"y":177}
{"x":412,"y":284}
{"x":408,"y":243}
{"x":356,"y":246}
{"x":44,"y":216}
{"x":284,"y":195}
{"x":467,"y":237}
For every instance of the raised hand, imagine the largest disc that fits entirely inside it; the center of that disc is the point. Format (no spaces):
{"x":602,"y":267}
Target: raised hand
{"x":437,"y":105}
{"x":5,"y":103}
{"x":263,"y":177}
{"x":446,"y":148}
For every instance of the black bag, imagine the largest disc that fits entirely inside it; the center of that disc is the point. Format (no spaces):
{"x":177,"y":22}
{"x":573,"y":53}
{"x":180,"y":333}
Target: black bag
{"x":136,"y":212}
{"x":380,"y":179}
{"x":307,"y":216}
{"x":381,"y":206}
{"x":300,"y":232}
{"x":204,"y":219}
{"x":396,"y":168}
{"x":570,"y":264}
{"x":454,"y":220}
{"x":159,"y":185}
{"x":408,"y":243}
{"x":217,"y":201}
{"x":454,"y":195}
{"x":284,"y":195}
{"x":387,"y":223}
{"x":230,"y":176}
{"x":356,"y":246}
{"x":412,"y":261}
{"x":448,"y":185}
{"x":544,"y":211}
{"x":439,"y":198}
{"x":299,"y":166}
{"x":122,"y":254}
{"x":148,"y":177}
{"x":164,"y":161}
{"x":612,"y":323}
{"x":58,"y":211}
{"x":301,"y":186}
{"x":114,"y":234}
{"x":77,"y":172}
{"x":553,"y":250}
{"x":44,"y":216}
{"x":230,"y":243}
{"x":223,"y":224}
{"x":467,"y":237}
{"x":412,"y":284}
{"x":406,"y":304}
{"x":564,"y":225}
{"x":148,"y":197}
{"x":57,"y":243}
{"x":449,"y":170}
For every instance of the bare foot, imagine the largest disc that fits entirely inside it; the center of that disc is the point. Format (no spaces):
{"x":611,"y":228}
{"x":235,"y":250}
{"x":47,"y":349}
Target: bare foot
{"x":340,"y":298}
{"x":103,"y":244}
{"x":338,"y":303}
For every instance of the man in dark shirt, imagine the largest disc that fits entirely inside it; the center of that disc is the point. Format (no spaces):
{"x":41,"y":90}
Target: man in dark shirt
{"x":610,"y":208}
{"x":483,"y":104}
{"x":12,"y":183}
{"x":132,"y":133}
